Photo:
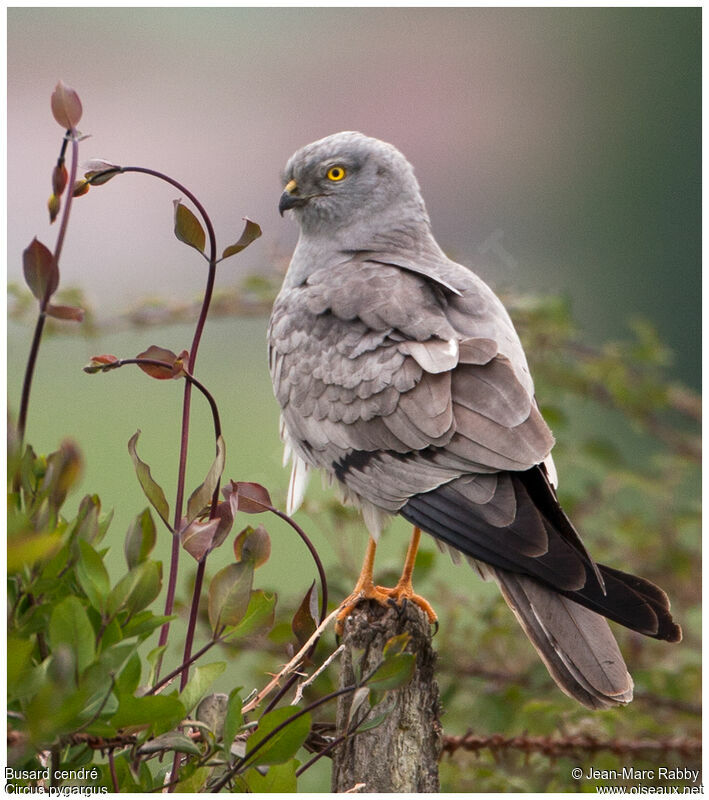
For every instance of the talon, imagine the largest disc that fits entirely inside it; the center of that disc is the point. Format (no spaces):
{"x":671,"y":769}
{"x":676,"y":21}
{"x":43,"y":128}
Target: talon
{"x":398,"y":596}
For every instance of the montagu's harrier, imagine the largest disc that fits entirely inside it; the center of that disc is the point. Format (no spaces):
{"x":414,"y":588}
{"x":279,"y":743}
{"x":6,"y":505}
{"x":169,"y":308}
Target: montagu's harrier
{"x":400,"y":374}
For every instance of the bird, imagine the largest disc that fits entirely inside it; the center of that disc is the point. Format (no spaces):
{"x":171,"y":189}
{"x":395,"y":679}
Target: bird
{"x":400,"y":376}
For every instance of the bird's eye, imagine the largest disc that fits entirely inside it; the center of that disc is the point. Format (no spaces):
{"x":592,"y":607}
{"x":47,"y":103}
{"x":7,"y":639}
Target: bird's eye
{"x":336,"y":173}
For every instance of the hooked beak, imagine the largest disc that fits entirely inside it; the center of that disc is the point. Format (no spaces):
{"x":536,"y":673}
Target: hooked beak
{"x":289,"y":198}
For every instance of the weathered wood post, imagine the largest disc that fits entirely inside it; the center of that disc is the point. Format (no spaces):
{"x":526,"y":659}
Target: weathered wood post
{"x":401,"y":754}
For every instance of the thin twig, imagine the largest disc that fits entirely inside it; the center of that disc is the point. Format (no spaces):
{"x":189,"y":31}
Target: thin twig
{"x":112,"y":768}
{"x":302,"y":686}
{"x":291,"y":665}
{"x":39,"y":327}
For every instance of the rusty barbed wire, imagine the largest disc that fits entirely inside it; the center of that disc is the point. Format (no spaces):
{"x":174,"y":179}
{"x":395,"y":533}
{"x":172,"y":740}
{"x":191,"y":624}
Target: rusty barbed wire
{"x":554,"y":747}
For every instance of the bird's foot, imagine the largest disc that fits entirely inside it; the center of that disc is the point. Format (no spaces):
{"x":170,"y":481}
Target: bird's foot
{"x":397,"y":595}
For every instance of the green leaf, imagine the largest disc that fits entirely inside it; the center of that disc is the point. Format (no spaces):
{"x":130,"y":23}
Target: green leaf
{"x":259,"y":616}
{"x":210,"y":712}
{"x":136,"y":590}
{"x":202,"y":678}
{"x":30,"y":681}
{"x":173,"y":741}
{"x":92,"y":575}
{"x":69,"y":625}
{"x":30,"y":549}
{"x":19,"y":660}
{"x":151,"y":489}
{"x":229,"y":595}
{"x":40,"y":269}
{"x":396,"y":645}
{"x":253,"y":544}
{"x":195,"y":782}
{"x":153,"y":659}
{"x":233,"y":720}
{"x":279,"y":779}
{"x":359,"y":698}
{"x":140,"y":539}
{"x":188,"y":228}
{"x":129,"y":679}
{"x":87,"y":524}
{"x":278,"y":745}
{"x":370,"y":723}
{"x":202,"y":495}
{"x":143,"y":624}
{"x":251,"y":232}
{"x":157,"y":712}
{"x":52,"y":712}
{"x":393,"y":672}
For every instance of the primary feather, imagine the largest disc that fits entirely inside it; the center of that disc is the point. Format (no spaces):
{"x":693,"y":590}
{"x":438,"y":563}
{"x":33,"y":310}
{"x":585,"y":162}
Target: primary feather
{"x":399,"y":373}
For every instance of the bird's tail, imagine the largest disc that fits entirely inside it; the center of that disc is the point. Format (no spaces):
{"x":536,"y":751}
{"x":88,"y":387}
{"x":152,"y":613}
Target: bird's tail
{"x":575,"y":643}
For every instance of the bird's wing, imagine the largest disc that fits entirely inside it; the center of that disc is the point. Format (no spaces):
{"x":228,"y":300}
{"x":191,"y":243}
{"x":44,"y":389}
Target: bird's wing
{"x":369,"y":364}
{"x":418,"y":399}
{"x":395,"y":385}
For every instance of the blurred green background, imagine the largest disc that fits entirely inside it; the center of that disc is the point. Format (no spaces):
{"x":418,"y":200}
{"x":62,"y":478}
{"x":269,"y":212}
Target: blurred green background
{"x":559,"y":153}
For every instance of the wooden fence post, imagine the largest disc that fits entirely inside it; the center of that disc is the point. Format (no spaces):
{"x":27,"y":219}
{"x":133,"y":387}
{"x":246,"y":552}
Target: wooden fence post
{"x":401,"y":754}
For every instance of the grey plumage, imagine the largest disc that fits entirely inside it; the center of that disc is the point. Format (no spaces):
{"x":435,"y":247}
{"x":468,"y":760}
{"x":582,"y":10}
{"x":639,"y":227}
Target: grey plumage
{"x":400,"y":375}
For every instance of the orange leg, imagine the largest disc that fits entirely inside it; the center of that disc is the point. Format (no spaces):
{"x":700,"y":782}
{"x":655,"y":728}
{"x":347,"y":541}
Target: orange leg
{"x":403,"y":591}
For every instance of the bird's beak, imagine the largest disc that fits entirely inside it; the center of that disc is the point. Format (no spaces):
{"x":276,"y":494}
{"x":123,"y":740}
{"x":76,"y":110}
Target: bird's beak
{"x":289,"y":198}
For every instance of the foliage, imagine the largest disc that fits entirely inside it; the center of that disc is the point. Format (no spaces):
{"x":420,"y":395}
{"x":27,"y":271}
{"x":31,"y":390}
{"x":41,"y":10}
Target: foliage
{"x":86,"y":684}
{"x":87,"y":703}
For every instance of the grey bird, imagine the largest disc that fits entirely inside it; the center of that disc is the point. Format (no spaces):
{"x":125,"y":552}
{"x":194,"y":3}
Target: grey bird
{"x":400,"y":375}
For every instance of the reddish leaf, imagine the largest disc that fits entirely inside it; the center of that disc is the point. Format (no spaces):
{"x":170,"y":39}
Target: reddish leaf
{"x":101,"y":364}
{"x":40,"y":268}
{"x":304,"y":620}
{"x":251,"y":498}
{"x":188,"y":228}
{"x":66,"y":106}
{"x":202,"y":495}
{"x":199,"y":538}
{"x":253,"y":544}
{"x":165,"y":373}
{"x":66,"y":312}
{"x":251,"y":232}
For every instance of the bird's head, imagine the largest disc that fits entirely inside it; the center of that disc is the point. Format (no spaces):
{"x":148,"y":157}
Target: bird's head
{"x":351,"y":181}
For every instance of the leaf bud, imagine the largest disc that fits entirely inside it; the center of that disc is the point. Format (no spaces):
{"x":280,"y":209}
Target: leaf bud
{"x":59,"y":179}
{"x":80,"y":188}
{"x":66,"y":106}
{"x":54,"y":205}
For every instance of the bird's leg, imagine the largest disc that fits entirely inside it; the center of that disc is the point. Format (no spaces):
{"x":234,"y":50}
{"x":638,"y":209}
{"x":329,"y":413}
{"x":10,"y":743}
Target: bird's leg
{"x":403,"y":591}
{"x":364,"y":588}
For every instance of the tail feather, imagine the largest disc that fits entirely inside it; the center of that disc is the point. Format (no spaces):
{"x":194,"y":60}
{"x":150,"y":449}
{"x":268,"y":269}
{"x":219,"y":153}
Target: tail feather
{"x":575,"y":643}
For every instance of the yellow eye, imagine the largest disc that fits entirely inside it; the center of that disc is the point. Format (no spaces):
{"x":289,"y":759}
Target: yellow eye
{"x":336,"y":173}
